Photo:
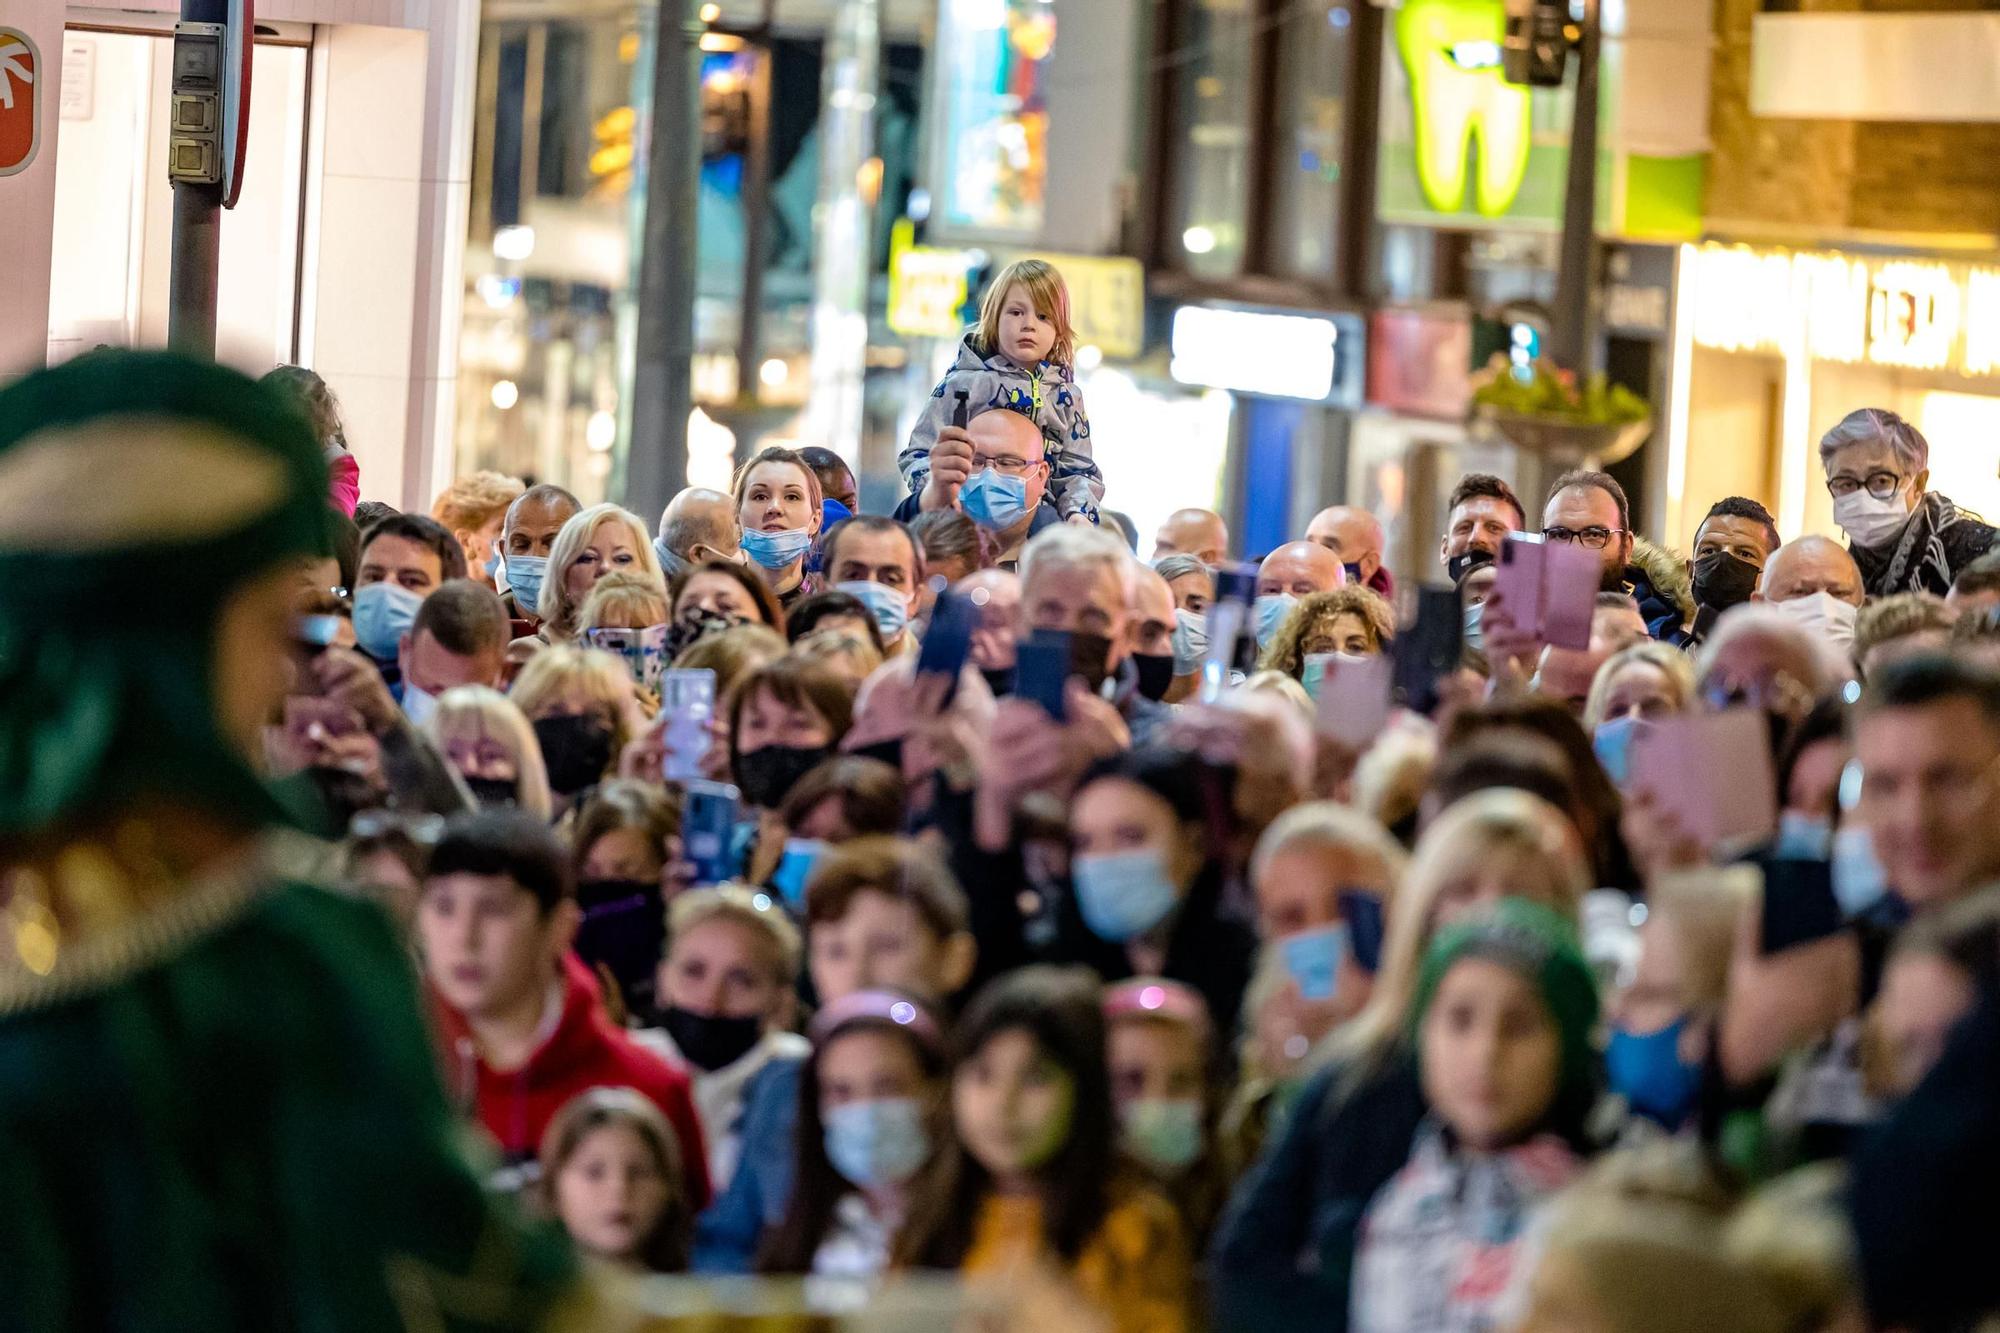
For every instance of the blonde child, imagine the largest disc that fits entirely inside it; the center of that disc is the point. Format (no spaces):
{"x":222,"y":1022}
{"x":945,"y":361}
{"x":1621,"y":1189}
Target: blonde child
{"x":1021,"y":358}
{"x":611,"y":1174}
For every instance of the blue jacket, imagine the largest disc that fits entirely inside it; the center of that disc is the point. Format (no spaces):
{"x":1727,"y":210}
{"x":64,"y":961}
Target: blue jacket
{"x":727,"y":1235}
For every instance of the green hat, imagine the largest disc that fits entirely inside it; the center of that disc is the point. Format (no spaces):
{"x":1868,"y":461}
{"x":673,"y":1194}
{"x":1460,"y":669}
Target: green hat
{"x":1542,"y":947}
{"x":138,"y":491}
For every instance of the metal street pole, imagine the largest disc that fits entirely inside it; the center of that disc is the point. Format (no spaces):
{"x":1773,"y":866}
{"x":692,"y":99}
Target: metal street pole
{"x":1572,"y":342}
{"x":197,"y":245}
{"x":662,"y":391}
{"x":842,"y":251}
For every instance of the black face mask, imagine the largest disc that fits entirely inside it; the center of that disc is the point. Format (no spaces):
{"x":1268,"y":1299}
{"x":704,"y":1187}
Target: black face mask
{"x":693,"y":626}
{"x":1156,"y":674}
{"x":710,"y":1041}
{"x":577,"y":750}
{"x":766,"y":776}
{"x":1721,"y":580}
{"x":1000,"y":680}
{"x":1088,"y":654}
{"x":1458,"y":566}
{"x":624,"y":928}
{"x":887,"y":752}
{"x":490,"y":792}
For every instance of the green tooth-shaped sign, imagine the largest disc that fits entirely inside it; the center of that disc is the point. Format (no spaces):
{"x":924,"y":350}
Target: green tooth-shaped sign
{"x":1451,"y":52}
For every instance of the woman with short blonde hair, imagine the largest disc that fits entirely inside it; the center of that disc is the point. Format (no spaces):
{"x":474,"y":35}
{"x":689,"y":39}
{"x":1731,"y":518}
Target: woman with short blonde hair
{"x":600,"y":540}
{"x":584,"y":708}
{"x":1648,"y":680}
{"x":486,"y":737}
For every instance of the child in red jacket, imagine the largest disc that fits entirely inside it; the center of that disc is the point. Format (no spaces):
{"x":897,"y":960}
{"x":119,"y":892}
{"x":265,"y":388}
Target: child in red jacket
{"x":523,"y":1022}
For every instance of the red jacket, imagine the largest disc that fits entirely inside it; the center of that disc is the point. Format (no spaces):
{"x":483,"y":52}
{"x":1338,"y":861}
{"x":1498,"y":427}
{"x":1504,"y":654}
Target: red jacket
{"x":584,"y":1051}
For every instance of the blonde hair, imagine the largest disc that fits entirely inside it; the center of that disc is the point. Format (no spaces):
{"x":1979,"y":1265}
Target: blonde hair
{"x":832,"y":648}
{"x":474,"y":712}
{"x":554,"y":607}
{"x":476,"y":499}
{"x":1048,"y":292}
{"x":1498,"y":833}
{"x":754,"y":911}
{"x":1703,"y":909}
{"x":1391,"y":776}
{"x":623,"y":601}
{"x":1282,"y":685}
{"x":1332,"y":827}
{"x":1668,"y":661}
{"x":600,"y":678}
{"x":733,"y":654}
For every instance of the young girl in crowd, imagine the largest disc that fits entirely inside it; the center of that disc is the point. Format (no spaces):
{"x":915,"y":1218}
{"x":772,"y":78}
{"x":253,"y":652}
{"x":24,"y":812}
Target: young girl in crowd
{"x":785,"y":720}
{"x":620,"y":842}
{"x":1160,"y":1054}
{"x":611,"y":1175}
{"x":870,"y":1116}
{"x":1502,"y":1022}
{"x":1030,"y":1177}
{"x":484,"y":736}
{"x":1022,"y":358}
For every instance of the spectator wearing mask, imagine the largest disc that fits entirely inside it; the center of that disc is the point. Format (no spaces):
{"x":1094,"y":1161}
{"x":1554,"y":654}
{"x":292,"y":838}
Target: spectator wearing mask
{"x":778,"y":502}
{"x":1192,"y":582}
{"x":871,"y":1115}
{"x":310,"y":394}
{"x":1356,"y":536}
{"x":836,"y":482}
{"x":1200,"y":533}
{"x":612,"y":1176}
{"x":878,"y":562}
{"x":489,"y":742}
{"x":1590,"y":509}
{"x":785,"y":719}
{"x":621,"y":842}
{"x":1643,"y":683}
{"x":1284,"y":1255}
{"x":1294,"y":570}
{"x":584,"y":709}
{"x":1818,"y":584}
{"x":458,"y":638}
{"x":1731,"y":547}
{"x":600,"y":540}
{"x":1502,"y":1025}
{"x":993,"y":471}
{"x":1898,"y":626}
{"x":1976,"y":590}
{"x":1164,"y":1091}
{"x":1152,"y":634}
{"x":697,"y":526}
{"x":726,"y":996}
{"x":472,"y":509}
{"x":724,"y":592}
{"x":187,"y":959}
{"x":527,"y":536}
{"x":1481,"y":512}
{"x":403,"y":560}
{"x":1903,"y":537}
{"x":844,"y":798}
{"x":523,"y":1032}
{"x":1351,"y":620}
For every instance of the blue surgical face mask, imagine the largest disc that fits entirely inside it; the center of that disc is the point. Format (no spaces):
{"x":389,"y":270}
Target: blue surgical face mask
{"x":492,"y":564}
{"x":1190,"y":641}
{"x":1475,"y":620}
{"x":877,"y":1143}
{"x":795,"y":868}
{"x":383,"y":614}
{"x":777,"y":550}
{"x":671,"y":565}
{"x":1802,"y":837}
{"x":1269,"y":613}
{"x":1613,"y":743}
{"x":524,"y":580}
{"x":1648,"y":1072}
{"x":1313,"y":959}
{"x":1122,"y":895}
{"x":994,"y":500}
{"x":1859,"y":882}
{"x":1162,"y":1132}
{"x":889,"y":607}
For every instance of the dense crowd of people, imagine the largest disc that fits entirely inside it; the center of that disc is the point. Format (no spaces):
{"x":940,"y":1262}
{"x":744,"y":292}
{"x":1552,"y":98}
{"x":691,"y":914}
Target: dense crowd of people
{"x":776,"y":888}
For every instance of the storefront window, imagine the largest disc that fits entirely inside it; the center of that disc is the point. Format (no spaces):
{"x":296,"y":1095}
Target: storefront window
{"x":1312,"y":109}
{"x":1213,"y":105}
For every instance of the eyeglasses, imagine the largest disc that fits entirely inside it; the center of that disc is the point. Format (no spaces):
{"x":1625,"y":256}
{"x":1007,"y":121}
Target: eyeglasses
{"x":1881,"y":485}
{"x":1005,"y":464}
{"x":1594,"y":538}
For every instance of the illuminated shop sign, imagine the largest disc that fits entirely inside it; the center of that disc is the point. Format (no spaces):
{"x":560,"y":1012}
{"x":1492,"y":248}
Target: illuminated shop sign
{"x":1919,"y":314}
{"x":1269,"y":354}
{"x":1450,"y":53}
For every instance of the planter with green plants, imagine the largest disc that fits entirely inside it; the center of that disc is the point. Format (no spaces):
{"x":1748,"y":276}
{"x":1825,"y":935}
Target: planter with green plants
{"x":1541,"y":409}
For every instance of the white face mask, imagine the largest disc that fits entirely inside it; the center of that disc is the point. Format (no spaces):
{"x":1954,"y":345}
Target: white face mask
{"x":1825,"y":615}
{"x":1869,"y":522}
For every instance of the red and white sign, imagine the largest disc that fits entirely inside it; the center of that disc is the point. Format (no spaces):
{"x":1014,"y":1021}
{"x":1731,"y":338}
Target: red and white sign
{"x":20,"y":101}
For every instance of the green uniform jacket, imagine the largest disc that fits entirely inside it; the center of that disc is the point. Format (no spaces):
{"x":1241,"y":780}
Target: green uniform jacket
{"x":225,"y":1115}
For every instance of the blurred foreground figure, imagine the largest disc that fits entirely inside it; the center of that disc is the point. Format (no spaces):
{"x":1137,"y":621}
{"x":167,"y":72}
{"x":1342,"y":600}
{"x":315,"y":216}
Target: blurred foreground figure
{"x":221,"y":1109}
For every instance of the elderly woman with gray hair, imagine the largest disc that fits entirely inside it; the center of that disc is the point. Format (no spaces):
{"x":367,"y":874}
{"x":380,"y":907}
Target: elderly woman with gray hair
{"x":1904,"y":538}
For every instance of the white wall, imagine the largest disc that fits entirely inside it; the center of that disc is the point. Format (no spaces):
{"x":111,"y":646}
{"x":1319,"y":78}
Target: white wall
{"x":27,"y":203}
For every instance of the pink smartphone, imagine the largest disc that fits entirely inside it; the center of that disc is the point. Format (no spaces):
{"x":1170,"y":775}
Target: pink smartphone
{"x":1353,"y":704}
{"x":1713,"y":772}
{"x":1519,"y":580}
{"x":1570,"y":579}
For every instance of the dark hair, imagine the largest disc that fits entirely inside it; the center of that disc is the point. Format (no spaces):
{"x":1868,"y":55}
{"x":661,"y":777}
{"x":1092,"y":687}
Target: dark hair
{"x":1982,"y":575}
{"x":367,"y":513}
{"x":871,"y":523}
{"x":757,"y":590}
{"x":947,"y":534}
{"x":1826,"y":722}
{"x":1484,"y":485}
{"x":1059,"y":1008}
{"x":1931,"y":678}
{"x":1965,"y":933}
{"x":654,"y":812}
{"x":1171,"y":774}
{"x":870,"y":793}
{"x":465,"y":618}
{"x":807,"y":615}
{"x":545,"y":493}
{"x":509,"y":842}
{"x":1596,"y":481}
{"x":424,"y":531}
{"x":897,"y":867}
{"x":796,"y":684}
{"x":665,"y":1248}
{"x":1518,"y":759}
{"x":825,"y":463}
{"x":1740,"y":506}
{"x":1596,"y":796}
{"x":790,"y":1246}
{"x":346,"y":549}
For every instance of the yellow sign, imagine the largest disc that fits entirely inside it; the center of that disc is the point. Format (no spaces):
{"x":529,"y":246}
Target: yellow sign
{"x":928,"y":286}
{"x":1107,"y":300}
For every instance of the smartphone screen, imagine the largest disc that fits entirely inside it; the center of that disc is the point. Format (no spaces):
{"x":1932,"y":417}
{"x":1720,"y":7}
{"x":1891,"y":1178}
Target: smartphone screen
{"x":948,"y":641}
{"x":1430,"y":648}
{"x":708,"y":830}
{"x":1042,"y":671}
{"x":687,"y":700}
